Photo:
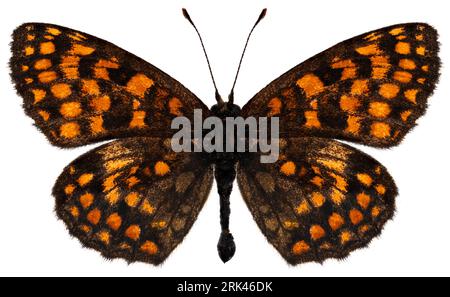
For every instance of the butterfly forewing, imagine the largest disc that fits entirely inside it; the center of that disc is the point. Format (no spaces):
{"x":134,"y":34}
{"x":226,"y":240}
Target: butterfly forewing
{"x":322,"y":199}
{"x":133,"y":198}
{"x":370,"y":89}
{"x":80,"y":89}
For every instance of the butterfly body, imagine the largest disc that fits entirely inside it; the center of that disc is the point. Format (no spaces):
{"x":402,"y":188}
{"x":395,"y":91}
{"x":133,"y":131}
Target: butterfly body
{"x":135,"y":198}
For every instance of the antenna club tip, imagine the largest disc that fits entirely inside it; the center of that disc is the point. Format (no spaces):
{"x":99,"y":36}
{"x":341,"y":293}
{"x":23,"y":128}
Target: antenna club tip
{"x":263,"y":13}
{"x":185,"y":13}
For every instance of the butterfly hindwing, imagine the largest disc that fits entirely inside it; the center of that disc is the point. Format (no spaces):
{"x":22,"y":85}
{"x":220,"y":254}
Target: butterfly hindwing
{"x":321,"y":199}
{"x":370,"y":89}
{"x":80,"y":89}
{"x":134,"y":198}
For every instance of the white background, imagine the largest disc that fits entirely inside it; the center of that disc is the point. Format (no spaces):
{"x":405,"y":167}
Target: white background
{"x":34,"y":242}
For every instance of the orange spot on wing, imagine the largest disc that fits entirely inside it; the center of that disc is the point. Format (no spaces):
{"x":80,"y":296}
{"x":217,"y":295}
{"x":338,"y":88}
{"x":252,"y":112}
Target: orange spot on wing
{"x":317,"y":232}
{"x":275,"y":105}
{"x":303,"y":208}
{"x":353,"y":124}
{"x":340,"y":182}
{"x":132,"y":199}
{"x":405,"y":115}
{"x":312,"y":120}
{"x":132,"y":181}
{"x":379,"y":109}
{"x":38,"y":95}
{"x":61,"y":90}
{"x":70,"y":109}
{"x":403,"y":48}
{"x":42,"y":64}
{"x":101,"y":104}
{"x":117,"y":164}
{"x":94,"y":216}
{"x":397,"y":31}
{"x":376,"y":211}
{"x":70,"y":130}
{"x":29,"y":50}
{"x":47,"y":76}
{"x":53,"y":31}
{"x":161,"y":168}
{"x":337,"y":196}
{"x":104,"y":237}
{"x":389,"y":91}
{"x":81,"y":50}
{"x":101,"y":73}
{"x":85,"y":179}
{"x":369,"y":50}
{"x":174,"y":106}
{"x":345,"y":236}
{"x":47,"y":48}
{"x":300,"y":248}
{"x":411,"y":95}
{"x":365,"y":179}
{"x":149,"y":247}
{"x":356,"y":216}
{"x":45,"y":115}
{"x":86,"y":200}
{"x":90,"y":87}
{"x":113,"y":196}
{"x":373,"y":36}
{"x":421,"y":50}
{"x":421,"y":80}
{"x":69,"y":189}
{"x":133,"y":232}
{"x":349,"y":104}
{"x":107,"y":64}
{"x":380,"y":189}
{"x":403,"y":76}
{"x":336,"y":165}
{"x":317,"y":199}
{"x":318,"y":181}
{"x":288,"y":168}
{"x":336,"y":221}
{"x":138,"y":119}
{"x":407,"y":64}
{"x":114,"y":221}
{"x":110,"y":182}
{"x":380,"y":130}
{"x":363,"y":200}
{"x":360,"y":87}
{"x":139,"y":84}
{"x":85,"y":229}
{"x":96,"y":124}
{"x":311,"y":84}
{"x":75,"y":212}
{"x":146,"y":207}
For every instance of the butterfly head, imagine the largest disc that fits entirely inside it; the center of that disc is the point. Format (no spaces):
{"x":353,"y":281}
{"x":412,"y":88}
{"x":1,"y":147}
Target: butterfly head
{"x":226,"y":109}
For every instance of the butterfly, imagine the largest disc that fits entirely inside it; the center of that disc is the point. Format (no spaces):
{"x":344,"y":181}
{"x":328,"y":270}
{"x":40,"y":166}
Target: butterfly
{"x":135,"y":198}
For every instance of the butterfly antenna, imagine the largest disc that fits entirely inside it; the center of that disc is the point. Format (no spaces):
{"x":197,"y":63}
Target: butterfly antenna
{"x":261,"y":16}
{"x":188,"y":17}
